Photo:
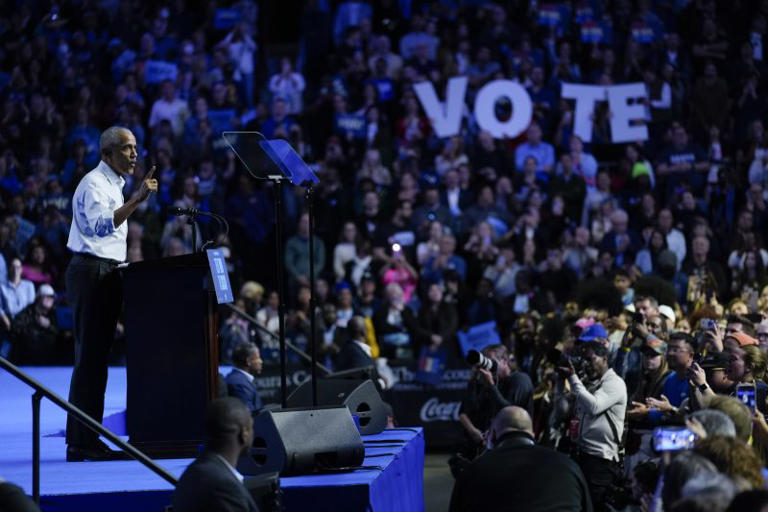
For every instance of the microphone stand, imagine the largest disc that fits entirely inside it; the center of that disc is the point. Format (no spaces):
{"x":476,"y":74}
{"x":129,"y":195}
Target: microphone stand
{"x":192,"y":221}
{"x":278,"y":181}
{"x":312,"y":299}
{"x":191,"y":215}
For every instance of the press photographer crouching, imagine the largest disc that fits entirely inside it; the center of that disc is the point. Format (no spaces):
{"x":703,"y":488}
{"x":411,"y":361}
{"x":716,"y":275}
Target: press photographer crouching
{"x":493,"y":386}
{"x":597,"y":423}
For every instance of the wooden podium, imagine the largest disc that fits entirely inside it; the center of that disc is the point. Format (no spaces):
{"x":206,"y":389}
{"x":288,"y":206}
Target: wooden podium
{"x":172,"y":353}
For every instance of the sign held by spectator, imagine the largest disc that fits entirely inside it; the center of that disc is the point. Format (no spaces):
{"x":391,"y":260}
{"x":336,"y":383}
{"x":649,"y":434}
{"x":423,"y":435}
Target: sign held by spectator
{"x":445,"y":117}
{"x":156,"y":71}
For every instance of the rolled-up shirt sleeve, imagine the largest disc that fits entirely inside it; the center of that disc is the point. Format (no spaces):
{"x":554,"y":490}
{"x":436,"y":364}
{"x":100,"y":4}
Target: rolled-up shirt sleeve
{"x":608,"y":394}
{"x":95,"y":212}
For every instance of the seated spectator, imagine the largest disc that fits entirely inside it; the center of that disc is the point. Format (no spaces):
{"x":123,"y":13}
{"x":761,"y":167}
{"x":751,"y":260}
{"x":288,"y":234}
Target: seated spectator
{"x":681,"y":162}
{"x":584,"y":164}
{"x":278,"y":125}
{"x":247,"y":363}
{"x":35,"y":333}
{"x":437,"y":323}
{"x":289,"y":85}
{"x":446,"y":259}
{"x":646,"y":259}
{"x":170,"y":108}
{"x":568,"y":184}
{"x":395,"y":325}
{"x":37,"y":268}
{"x":374,"y":170}
{"x":543,"y":152}
{"x":17,"y":293}
{"x":430,"y":247}
{"x":297,"y":254}
{"x":211,"y":482}
{"x":344,"y":252}
{"x":620,"y":241}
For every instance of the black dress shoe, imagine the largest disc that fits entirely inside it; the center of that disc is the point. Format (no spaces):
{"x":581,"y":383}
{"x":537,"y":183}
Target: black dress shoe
{"x":98,"y":452}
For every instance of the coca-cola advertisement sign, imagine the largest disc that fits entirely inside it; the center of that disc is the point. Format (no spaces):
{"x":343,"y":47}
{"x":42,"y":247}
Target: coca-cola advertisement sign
{"x":435,"y":410}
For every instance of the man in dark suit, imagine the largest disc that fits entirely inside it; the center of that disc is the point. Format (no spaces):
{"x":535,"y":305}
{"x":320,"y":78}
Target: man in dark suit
{"x":240,"y":381}
{"x":355,"y":353}
{"x":211,"y":482}
{"x":517,"y":474}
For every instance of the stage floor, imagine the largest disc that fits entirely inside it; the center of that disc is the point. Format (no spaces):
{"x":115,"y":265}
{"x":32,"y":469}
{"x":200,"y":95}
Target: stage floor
{"x":128,"y":485}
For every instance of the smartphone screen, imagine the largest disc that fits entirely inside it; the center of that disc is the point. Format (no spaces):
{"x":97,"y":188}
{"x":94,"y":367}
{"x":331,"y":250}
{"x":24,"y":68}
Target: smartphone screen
{"x":667,"y":439}
{"x":746,"y":393}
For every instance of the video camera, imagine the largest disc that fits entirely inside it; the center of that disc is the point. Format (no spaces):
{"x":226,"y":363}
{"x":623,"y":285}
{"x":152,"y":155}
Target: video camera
{"x":479,"y":360}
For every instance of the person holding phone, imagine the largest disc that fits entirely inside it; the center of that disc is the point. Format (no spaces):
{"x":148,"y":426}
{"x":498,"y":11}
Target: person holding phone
{"x":97,"y":239}
{"x":746,"y":368}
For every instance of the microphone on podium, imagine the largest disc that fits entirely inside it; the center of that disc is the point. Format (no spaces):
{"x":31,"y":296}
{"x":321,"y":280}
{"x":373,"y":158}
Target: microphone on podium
{"x":175,"y":210}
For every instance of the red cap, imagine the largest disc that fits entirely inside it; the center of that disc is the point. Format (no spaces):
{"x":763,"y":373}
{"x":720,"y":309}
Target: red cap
{"x":743,"y":339}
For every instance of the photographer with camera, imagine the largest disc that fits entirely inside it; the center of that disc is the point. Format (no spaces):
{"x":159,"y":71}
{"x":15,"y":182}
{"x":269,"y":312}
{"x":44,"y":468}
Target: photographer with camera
{"x":598,"y":419}
{"x":493,"y":386}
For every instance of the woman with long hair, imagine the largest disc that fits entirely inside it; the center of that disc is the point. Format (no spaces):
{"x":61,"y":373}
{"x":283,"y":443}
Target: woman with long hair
{"x":646,"y":259}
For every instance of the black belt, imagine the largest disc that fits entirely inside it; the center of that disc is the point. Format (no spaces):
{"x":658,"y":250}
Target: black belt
{"x":89,"y":256}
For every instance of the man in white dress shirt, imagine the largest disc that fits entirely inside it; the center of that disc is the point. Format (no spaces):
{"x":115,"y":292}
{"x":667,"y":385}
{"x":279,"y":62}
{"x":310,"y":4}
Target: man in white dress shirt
{"x":98,"y":240}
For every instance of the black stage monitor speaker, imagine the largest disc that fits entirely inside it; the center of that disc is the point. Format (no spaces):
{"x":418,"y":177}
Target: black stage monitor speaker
{"x":360,"y":396}
{"x":302,"y":441}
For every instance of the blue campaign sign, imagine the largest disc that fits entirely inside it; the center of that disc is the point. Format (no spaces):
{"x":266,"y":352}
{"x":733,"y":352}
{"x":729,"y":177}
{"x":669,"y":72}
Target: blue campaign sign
{"x":224,"y":19}
{"x":155,"y":71}
{"x":478,"y":337}
{"x":351,"y":124}
{"x":220,"y":276}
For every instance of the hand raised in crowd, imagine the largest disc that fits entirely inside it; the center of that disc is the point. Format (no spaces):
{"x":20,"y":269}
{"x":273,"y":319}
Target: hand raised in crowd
{"x":696,"y":374}
{"x":638,"y":411}
{"x":696,"y":427}
{"x":640,"y":329}
{"x":760,"y":424}
{"x":148,"y":185}
{"x":712,"y":339}
{"x":661,"y":404}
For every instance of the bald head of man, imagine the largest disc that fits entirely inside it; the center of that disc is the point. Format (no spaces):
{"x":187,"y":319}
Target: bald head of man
{"x":512,"y":419}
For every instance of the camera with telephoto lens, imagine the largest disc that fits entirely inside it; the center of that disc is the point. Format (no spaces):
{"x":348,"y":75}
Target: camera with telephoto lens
{"x":559,"y":359}
{"x":478,"y":360}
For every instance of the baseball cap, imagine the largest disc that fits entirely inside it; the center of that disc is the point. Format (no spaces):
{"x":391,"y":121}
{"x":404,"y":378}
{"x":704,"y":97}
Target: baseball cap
{"x":593,"y":332}
{"x":743,"y":339}
{"x":46,"y":290}
{"x":667,"y":312}
{"x":654,"y":345}
{"x":715,"y":361}
{"x":584,"y":323}
{"x":640,"y":169}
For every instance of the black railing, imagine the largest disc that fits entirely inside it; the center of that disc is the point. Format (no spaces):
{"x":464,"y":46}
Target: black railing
{"x":40,"y":392}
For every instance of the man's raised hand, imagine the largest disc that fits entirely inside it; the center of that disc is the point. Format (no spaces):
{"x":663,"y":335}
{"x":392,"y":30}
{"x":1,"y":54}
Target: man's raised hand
{"x":148,"y":185}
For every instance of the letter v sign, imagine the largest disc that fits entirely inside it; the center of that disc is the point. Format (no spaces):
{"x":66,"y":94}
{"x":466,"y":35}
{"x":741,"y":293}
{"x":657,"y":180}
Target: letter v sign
{"x":444,"y":117}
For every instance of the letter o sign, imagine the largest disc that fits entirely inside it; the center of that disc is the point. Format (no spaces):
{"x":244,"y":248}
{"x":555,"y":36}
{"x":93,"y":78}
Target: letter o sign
{"x":522,"y":109}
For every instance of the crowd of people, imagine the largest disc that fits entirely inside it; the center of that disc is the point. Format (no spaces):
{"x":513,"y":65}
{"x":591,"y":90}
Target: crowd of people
{"x":652,"y":254}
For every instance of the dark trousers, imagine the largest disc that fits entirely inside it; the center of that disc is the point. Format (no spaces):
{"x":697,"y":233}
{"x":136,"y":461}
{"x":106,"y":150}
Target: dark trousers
{"x":600,"y":475}
{"x":95,"y":292}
